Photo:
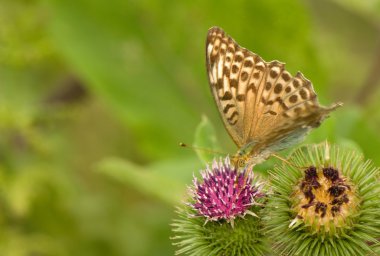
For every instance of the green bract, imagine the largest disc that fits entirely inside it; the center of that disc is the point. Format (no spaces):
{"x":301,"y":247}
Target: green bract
{"x":326,"y":201}
{"x":195,"y":236}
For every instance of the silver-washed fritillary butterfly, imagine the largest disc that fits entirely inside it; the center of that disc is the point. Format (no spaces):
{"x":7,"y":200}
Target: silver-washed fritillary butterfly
{"x":264,"y":108}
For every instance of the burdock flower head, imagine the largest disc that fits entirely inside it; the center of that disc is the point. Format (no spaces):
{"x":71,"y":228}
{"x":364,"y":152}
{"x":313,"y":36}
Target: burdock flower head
{"x":208,"y":223}
{"x":224,"y":192}
{"x":326,"y":202}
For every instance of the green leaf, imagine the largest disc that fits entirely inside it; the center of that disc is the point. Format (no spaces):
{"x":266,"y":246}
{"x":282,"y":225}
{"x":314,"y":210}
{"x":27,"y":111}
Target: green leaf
{"x":205,"y":138}
{"x":163,"y":180}
{"x":369,"y":10}
{"x":117,"y":64}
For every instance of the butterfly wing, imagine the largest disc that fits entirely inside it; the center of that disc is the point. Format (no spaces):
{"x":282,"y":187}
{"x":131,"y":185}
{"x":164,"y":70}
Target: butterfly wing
{"x":260,"y":103}
{"x":228,"y":79}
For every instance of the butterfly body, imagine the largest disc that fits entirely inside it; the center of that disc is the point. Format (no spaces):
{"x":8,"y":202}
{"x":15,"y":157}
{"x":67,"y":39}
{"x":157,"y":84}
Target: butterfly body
{"x":263,"y":107}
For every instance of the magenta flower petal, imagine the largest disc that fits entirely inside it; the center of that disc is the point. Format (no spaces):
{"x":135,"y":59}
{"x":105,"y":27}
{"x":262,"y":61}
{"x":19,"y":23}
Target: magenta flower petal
{"x":224,"y":192}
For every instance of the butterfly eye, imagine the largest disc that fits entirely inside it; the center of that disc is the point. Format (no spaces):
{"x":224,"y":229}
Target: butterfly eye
{"x":241,"y":162}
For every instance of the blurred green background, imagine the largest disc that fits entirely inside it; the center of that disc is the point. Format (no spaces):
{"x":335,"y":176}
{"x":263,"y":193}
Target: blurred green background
{"x":96,"y":95}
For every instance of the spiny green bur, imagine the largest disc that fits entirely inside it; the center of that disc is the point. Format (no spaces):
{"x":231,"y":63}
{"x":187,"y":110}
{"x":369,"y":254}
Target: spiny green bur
{"x":195,"y":237}
{"x":302,"y":218}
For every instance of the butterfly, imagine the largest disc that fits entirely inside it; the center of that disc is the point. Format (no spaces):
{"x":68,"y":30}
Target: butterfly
{"x":264,"y":108}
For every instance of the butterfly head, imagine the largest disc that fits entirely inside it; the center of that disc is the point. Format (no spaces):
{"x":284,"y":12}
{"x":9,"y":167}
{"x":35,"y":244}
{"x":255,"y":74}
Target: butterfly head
{"x":246,"y":157}
{"x":240,"y":162}
{"x":247,"y":161}
{"x":243,"y":157}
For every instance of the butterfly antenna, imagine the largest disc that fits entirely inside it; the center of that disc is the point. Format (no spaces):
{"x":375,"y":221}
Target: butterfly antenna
{"x":181,"y":144}
{"x":287,"y":162}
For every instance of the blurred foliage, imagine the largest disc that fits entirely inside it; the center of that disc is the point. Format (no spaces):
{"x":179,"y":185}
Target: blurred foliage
{"x":96,"y":95}
{"x":205,"y":141}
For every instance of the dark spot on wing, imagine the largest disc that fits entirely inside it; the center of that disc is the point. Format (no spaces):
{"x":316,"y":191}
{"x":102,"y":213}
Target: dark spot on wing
{"x":240,"y":97}
{"x":233,"y":122}
{"x":219,"y":83}
{"x":227,"y":96}
{"x":227,"y":107}
{"x":226,"y":71}
{"x":253,"y":87}
{"x":248,"y":63}
{"x":244,"y":76}
{"x":234,"y":83}
{"x":261,"y":68}
{"x":213,"y":58}
{"x":273,"y":73}
{"x":282,"y":104}
{"x":303,"y":94}
{"x":296,"y":83}
{"x":278,"y":88}
{"x":293,"y":98}
{"x":230,"y":119}
{"x":285,"y":76}
{"x":235,"y":68}
{"x":239,"y":58}
{"x":271,"y":112}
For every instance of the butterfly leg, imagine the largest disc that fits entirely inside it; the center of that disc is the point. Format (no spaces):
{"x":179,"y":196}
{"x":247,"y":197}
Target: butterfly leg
{"x":287,"y":162}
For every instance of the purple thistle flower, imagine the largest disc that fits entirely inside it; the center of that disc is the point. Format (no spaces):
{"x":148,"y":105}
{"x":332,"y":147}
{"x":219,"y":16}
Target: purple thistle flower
{"x":224,"y":193}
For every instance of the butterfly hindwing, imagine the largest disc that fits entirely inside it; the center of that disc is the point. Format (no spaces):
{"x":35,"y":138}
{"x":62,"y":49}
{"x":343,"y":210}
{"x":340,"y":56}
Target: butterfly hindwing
{"x":294,"y":111}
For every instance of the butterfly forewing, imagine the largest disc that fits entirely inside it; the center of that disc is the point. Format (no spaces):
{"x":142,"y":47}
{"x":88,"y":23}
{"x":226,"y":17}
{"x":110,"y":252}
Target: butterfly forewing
{"x":259,"y":101}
